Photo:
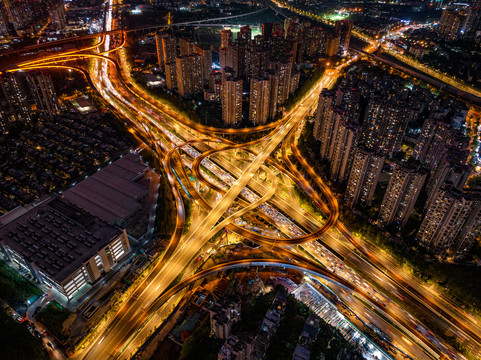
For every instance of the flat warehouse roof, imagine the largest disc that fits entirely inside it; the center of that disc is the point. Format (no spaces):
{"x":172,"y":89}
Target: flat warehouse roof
{"x":112,"y":193}
{"x":57,"y":236}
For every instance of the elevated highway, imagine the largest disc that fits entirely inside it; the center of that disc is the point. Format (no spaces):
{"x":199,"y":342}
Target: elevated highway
{"x":157,"y":123}
{"x":76,"y":39}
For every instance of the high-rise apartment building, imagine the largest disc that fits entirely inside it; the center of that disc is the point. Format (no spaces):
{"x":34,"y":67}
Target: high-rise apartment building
{"x":284,"y":70}
{"x":274,"y":85}
{"x":242,"y":44}
{"x":206,"y":61}
{"x":44,"y":95}
{"x":315,"y":41}
{"x":472,"y":21}
{"x":452,"y":224}
{"x":26,"y":95}
{"x":260,"y":96}
{"x":160,"y":52}
{"x":267,"y":30}
{"x":223,"y":58}
{"x":435,"y":139}
{"x":57,"y":16}
{"x":228,"y":73}
{"x":449,"y":169}
{"x":4,"y":122}
{"x":327,"y":99}
{"x":343,"y":148}
{"x":19,"y":14}
{"x":169,"y":48}
{"x":343,"y":30}
{"x":291,"y":51}
{"x":295,"y":81}
{"x":401,"y":194}
{"x":450,"y":24}
{"x":293,"y":31}
{"x":277,"y":45}
{"x":288,"y":21}
{"x":232,"y":100}
{"x":186,"y":47}
{"x":338,"y":132}
{"x":350,"y":99}
{"x":215,"y":87}
{"x":214,"y":77}
{"x":171,"y":75}
{"x":225,"y":37}
{"x":330,"y":120}
{"x":17,"y":100}
{"x":332,"y":45}
{"x":229,"y":58}
{"x":384,"y":124}
{"x":364,"y":176}
{"x":257,"y":60}
{"x":245,"y":33}
{"x":213,"y":93}
{"x":189,"y":75}
{"x":4,"y":22}
{"x":260,"y":41}
{"x":431,"y":143}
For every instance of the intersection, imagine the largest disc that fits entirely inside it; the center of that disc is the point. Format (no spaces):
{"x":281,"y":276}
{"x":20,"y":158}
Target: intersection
{"x":168,"y":134}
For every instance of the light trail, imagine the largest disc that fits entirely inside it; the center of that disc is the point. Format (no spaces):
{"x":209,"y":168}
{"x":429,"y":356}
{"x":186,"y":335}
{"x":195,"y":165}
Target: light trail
{"x":113,"y":88}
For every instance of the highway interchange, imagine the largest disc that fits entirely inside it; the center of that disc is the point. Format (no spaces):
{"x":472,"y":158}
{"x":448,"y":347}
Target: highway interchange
{"x":241,"y":198}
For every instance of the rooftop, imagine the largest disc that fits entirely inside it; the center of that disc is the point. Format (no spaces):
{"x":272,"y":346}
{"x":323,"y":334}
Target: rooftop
{"x":57,"y":236}
{"x":112,"y":193}
{"x":301,"y":353}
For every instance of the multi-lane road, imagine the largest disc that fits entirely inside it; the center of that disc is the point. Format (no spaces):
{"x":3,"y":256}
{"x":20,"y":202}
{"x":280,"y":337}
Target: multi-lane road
{"x":209,"y":156}
{"x":406,"y":64}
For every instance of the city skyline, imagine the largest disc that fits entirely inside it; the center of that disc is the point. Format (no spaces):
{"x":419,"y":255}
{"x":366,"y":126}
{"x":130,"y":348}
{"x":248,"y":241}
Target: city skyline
{"x":150,"y":161}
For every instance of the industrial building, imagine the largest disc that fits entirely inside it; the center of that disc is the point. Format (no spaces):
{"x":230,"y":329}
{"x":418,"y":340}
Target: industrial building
{"x":113,"y":194}
{"x":71,"y":240}
{"x":62,"y":245}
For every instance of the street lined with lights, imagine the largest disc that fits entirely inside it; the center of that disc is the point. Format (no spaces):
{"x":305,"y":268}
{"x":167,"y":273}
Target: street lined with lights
{"x":233,"y":180}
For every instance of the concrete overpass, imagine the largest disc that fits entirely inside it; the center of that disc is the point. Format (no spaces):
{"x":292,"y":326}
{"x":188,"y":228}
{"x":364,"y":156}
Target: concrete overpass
{"x":206,"y":22}
{"x":450,"y":89}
